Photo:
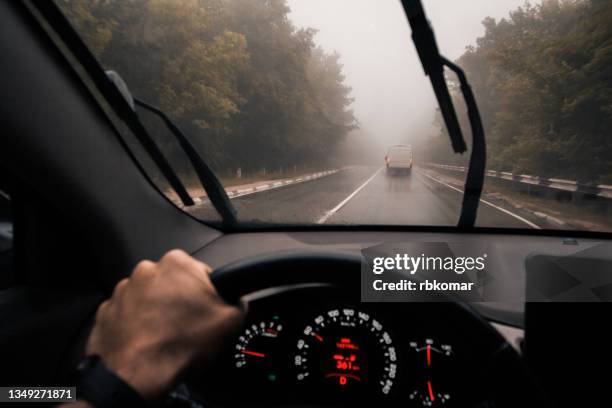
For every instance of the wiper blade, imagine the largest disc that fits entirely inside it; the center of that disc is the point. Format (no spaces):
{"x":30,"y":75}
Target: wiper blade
{"x":215,"y":191}
{"x":425,"y":43}
{"x":112,"y":94}
{"x":433,"y":65}
{"x":478,"y":159}
{"x":211,"y":184}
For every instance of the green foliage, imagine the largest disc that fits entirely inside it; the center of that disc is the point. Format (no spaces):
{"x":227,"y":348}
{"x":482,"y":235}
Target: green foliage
{"x":543,"y":82}
{"x":250,"y":89}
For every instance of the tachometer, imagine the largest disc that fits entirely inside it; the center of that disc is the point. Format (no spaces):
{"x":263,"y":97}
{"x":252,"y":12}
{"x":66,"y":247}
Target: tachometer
{"x":346,"y":349}
{"x":254,"y":353}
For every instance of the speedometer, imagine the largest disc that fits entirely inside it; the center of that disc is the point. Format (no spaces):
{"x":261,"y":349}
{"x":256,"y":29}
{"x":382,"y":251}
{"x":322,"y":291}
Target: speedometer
{"x":346,"y":349}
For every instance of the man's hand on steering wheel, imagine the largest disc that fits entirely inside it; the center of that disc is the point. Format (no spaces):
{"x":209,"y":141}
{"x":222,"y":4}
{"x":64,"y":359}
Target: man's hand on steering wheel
{"x":166,"y":316}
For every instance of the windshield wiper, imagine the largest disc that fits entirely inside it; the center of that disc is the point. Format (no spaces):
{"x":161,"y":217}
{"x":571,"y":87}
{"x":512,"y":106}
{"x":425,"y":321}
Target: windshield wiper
{"x":114,"y":89}
{"x":433,"y":65}
{"x":211,"y":184}
{"x":112,"y":94}
{"x":478,"y":159}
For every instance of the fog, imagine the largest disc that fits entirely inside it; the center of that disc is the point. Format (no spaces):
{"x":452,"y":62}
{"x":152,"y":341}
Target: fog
{"x":394,"y":102}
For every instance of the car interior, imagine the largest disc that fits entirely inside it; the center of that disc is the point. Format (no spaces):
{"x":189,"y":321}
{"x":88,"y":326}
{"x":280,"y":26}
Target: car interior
{"x":78,"y":211}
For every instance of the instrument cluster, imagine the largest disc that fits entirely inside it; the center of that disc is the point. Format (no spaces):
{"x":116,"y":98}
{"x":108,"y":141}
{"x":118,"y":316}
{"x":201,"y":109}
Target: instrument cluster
{"x":321,"y":348}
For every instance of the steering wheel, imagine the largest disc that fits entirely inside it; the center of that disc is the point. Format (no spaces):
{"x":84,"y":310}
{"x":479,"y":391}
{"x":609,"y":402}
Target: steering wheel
{"x":511,"y":384}
{"x":243,"y":277}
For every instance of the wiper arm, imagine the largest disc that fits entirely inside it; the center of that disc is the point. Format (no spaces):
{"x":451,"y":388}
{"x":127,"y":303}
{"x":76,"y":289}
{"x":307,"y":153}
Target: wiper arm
{"x":433,"y":65}
{"x":215,"y":191}
{"x":425,"y":43}
{"x":51,"y":12}
{"x":211,"y":184}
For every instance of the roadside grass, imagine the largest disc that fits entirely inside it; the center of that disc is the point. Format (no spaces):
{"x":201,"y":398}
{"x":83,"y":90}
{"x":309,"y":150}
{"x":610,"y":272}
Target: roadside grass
{"x":583,"y":213}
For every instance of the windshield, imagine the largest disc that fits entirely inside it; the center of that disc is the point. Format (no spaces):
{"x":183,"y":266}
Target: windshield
{"x":319,"y":112}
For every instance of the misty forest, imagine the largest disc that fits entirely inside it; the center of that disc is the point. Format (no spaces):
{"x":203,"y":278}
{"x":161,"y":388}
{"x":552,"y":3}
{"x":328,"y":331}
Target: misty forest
{"x":248,"y":87}
{"x":543,"y":82}
{"x":253,"y":91}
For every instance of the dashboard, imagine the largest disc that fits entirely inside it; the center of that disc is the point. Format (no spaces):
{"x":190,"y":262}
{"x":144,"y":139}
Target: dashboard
{"x":316,"y":345}
{"x":511,"y":250}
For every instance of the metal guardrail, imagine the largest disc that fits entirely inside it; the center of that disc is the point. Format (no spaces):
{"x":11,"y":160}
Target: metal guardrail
{"x":234,"y":192}
{"x":600,"y":190}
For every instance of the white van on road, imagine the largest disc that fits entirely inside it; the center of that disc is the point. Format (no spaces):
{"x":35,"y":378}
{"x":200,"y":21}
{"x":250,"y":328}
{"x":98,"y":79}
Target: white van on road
{"x":399,"y":159}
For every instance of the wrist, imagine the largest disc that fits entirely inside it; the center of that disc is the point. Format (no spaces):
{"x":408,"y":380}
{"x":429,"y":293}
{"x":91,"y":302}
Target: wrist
{"x":150,"y":374}
{"x":101,"y":387}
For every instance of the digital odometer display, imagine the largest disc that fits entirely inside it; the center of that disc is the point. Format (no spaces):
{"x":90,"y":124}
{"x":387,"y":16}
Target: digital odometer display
{"x":346,"y":349}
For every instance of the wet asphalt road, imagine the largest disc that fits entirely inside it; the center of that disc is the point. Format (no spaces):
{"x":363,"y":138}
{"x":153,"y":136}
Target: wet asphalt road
{"x":363,"y":195}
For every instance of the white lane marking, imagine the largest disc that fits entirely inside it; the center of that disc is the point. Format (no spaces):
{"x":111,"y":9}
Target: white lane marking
{"x":510,"y":213}
{"x":342,"y":203}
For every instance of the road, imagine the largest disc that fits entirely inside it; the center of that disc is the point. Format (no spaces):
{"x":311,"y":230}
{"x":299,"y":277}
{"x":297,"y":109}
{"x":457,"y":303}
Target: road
{"x":366,"y":195}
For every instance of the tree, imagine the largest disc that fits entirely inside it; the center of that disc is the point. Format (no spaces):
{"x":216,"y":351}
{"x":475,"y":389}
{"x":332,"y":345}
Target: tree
{"x":248,"y":87}
{"x":543,"y":82}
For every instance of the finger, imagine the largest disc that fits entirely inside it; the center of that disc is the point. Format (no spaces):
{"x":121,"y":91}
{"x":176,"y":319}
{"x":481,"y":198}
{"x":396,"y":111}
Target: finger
{"x":144,"y":264}
{"x":203,"y":272}
{"x":144,"y":270}
{"x":120,"y":286}
{"x":102,"y":310}
{"x":175,"y":257}
{"x":178,"y":260}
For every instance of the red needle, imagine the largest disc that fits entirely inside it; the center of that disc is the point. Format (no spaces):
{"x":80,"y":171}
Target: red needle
{"x":431,"y":394}
{"x":253,"y":353}
{"x":428,"y":355}
{"x":316,"y":336}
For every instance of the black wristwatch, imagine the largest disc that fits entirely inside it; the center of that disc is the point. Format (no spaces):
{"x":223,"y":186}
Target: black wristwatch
{"x":102,"y":388}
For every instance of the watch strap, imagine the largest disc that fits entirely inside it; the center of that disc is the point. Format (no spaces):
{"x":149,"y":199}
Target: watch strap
{"x":102,"y":388}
